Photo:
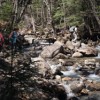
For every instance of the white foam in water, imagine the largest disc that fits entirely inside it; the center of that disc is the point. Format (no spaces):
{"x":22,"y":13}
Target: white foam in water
{"x":98,"y":55}
{"x":69,"y":91}
{"x":70,"y":73}
{"x":44,"y":43}
{"x":98,"y":48}
{"x":94,"y":77}
{"x":70,"y":68}
{"x":54,"y":67}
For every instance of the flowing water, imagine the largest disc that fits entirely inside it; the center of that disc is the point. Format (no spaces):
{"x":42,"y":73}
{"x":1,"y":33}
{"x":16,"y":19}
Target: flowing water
{"x":94,"y":77}
{"x":71,"y":70}
{"x":98,"y":49}
{"x":68,"y":91}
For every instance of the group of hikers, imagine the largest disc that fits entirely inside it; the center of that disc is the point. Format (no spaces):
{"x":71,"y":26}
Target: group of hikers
{"x":13,"y":40}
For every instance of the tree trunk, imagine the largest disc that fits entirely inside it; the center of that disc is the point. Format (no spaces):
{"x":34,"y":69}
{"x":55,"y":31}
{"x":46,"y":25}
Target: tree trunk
{"x":49,"y":18}
{"x":91,"y":18}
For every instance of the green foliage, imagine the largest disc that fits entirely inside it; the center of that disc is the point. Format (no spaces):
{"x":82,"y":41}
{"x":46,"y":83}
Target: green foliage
{"x":68,"y":9}
{"x":6,"y":11}
{"x":58,"y":15}
{"x":72,"y":12}
{"x":74,"y":20}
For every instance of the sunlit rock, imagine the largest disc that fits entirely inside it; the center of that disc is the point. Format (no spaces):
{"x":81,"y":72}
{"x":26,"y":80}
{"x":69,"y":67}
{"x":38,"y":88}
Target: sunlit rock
{"x":52,"y":50}
{"x":77,"y":55}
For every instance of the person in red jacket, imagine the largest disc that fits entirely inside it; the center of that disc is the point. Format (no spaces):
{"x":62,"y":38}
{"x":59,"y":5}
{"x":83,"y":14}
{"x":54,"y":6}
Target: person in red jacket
{"x":1,"y":41}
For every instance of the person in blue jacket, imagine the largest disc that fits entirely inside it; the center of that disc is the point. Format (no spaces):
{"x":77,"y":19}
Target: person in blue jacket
{"x":13,"y":37}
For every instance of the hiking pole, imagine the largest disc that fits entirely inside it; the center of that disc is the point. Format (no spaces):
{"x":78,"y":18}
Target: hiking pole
{"x":12,"y":57}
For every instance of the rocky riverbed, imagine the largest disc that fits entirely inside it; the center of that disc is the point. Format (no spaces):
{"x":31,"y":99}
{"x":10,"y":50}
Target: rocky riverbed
{"x":59,"y":71}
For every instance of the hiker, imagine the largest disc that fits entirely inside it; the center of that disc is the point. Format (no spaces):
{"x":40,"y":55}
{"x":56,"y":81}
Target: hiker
{"x":13,"y":38}
{"x":1,"y":41}
{"x":73,"y":31}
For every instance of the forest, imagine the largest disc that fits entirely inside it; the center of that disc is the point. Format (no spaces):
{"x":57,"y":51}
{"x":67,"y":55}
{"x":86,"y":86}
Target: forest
{"x":49,"y":49}
{"x":50,"y":13}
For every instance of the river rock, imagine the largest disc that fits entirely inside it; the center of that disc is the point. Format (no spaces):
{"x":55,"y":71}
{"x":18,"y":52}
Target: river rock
{"x":84,"y":92}
{"x":70,"y":45}
{"x":37,"y":59}
{"x":77,"y":55}
{"x":97,"y":71}
{"x":61,"y":56}
{"x":76,"y":87}
{"x":93,"y":86}
{"x":40,"y":94}
{"x":55,"y":68}
{"x":57,"y":90}
{"x":83,"y":45}
{"x":52,"y":50}
{"x":66,"y":79}
{"x":58,"y":78}
{"x":28,"y":38}
{"x":88,"y":51}
{"x":90,"y":62}
{"x":76,"y":44}
{"x":42,"y":67}
{"x":68,"y":63}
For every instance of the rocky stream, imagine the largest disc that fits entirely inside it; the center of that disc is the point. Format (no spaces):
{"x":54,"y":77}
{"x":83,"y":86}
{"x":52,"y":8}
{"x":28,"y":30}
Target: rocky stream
{"x":47,"y":71}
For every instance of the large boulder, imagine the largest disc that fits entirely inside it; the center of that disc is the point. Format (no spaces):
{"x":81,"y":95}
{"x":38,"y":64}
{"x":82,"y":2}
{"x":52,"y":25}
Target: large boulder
{"x":70,"y":45}
{"x":77,"y":55}
{"x":52,"y":50}
{"x":88,"y":51}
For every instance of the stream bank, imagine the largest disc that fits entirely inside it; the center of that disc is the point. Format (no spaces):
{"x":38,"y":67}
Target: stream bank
{"x":49,"y":76}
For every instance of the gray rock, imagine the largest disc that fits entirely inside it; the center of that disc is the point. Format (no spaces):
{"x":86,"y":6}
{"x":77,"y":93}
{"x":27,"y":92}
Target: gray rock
{"x":77,"y":55}
{"x":52,"y":50}
{"x":88,"y":51}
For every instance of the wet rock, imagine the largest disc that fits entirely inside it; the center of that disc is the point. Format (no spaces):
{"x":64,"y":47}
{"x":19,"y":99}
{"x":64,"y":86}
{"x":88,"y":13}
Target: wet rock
{"x":40,"y":94}
{"x":93,"y":86}
{"x":61,"y":93}
{"x":88,"y":51}
{"x":52,"y":50}
{"x":84,"y":92}
{"x":67,"y":63}
{"x":97,"y":71}
{"x":94,"y":96}
{"x":61,"y":56}
{"x":77,"y":87}
{"x":56,"y":90}
{"x":77,"y":55}
{"x":55,"y":68}
{"x":66,"y":50}
{"x":42,"y":67}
